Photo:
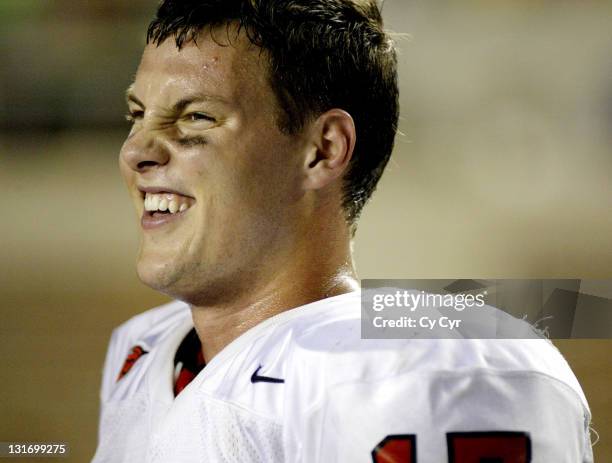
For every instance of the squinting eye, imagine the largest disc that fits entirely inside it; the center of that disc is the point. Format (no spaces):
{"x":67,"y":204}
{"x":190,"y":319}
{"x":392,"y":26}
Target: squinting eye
{"x":134,"y":115}
{"x":195,"y":117}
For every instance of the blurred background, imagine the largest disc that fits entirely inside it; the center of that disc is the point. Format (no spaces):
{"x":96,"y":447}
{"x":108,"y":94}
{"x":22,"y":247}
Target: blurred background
{"x":503,"y":169}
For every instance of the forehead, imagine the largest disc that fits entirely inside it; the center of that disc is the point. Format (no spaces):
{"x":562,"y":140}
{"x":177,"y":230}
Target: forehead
{"x":222,"y":68}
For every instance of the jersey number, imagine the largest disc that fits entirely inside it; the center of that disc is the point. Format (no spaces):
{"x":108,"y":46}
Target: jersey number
{"x":463,"y":447}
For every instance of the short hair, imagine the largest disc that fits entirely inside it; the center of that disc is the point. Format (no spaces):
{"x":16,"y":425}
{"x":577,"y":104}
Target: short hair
{"x":322,"y":54}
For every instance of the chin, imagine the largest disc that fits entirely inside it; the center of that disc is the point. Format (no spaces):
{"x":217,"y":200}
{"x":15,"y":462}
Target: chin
{"x":185,"y":280}
{"x":159,"y":276}
{"x":166,"y":278}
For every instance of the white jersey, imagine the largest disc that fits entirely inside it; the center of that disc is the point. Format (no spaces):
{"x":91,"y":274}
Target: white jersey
{"x":303,"y":387}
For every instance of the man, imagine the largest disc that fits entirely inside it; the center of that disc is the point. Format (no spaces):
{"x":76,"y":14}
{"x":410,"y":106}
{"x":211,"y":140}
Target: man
{"x":260,"y":129}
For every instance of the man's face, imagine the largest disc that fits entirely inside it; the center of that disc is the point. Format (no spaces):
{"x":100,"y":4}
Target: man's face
{"x":205,"y":147}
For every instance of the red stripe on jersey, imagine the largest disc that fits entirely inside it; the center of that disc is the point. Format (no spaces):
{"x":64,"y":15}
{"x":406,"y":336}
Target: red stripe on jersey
{"x":130,"y":360}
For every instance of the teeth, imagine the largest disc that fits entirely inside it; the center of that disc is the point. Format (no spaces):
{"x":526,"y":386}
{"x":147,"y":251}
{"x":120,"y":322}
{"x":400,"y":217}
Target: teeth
{"x":173,"y":207}
{"x":166,"y":202}
{"x":154,"y":203}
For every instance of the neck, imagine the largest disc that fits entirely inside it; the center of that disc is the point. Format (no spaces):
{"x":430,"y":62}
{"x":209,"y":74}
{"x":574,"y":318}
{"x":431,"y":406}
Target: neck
{"x":317,"y":272}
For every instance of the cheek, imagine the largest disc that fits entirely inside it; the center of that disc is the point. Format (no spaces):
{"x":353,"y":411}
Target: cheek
{"x":270,"y":169}
{"x":238,"y":208}
{"x":260,"y":190}
{"x":245,"y":184}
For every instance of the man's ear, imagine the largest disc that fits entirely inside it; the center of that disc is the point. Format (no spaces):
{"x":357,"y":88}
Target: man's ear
{"x":332,"y":140}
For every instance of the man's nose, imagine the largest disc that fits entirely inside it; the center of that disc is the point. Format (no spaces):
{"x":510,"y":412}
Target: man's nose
{"x":143,"y":152}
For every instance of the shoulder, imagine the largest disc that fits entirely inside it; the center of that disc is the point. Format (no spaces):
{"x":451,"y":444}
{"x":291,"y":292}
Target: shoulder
{"x":375,"y":387}
{"x":145,"y":331}
{"x":149,"y":325}
{"x":328,"y":340}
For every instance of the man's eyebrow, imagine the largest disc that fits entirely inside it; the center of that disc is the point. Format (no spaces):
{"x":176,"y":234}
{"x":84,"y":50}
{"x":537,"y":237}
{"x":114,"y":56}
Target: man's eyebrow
{"x":181,"y":104}
{"x":129,"y":96}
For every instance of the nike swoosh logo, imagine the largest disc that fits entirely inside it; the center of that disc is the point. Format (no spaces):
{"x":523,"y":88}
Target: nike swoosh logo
{"x":255,"y":378}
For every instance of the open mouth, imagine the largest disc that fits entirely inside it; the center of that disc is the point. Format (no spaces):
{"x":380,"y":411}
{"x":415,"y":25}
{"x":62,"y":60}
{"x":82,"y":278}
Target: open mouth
{"x":166,"y":203}
{"x":163,"y":207}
